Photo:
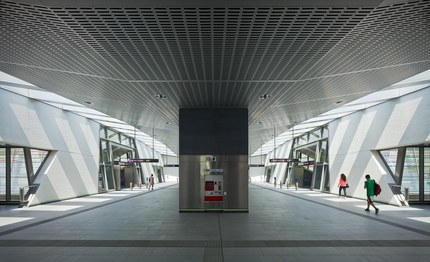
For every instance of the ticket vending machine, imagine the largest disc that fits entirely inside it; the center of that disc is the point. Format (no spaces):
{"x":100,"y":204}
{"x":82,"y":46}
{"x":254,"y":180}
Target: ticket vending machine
{"x":213,"y":183}
{"x":214,"y":191}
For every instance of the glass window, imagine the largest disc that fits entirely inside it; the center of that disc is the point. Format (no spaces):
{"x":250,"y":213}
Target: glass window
{"x":105,"y":152}
{"x":125,"y":140}
{"x":18,"y":172}
{"x":427,"y":174}
{"x":2,"y":174}
{"x":37,"y":157}
{"x":323,"y":152}
{"x":102,"y":132}
{"x":390,"y":157}
{"x":326,"y":178}
{"x":113,"y":136}
{"x":314,"y":136}
{"x":413,"y":177}
{"x":109,"y":177}
{"x":317,"y":154}
{"x":318,"y":176}
{"x":324,"y":132}
{"x":302,"y":140}
{"x":16,"y":159}
{"x":411,"y":173}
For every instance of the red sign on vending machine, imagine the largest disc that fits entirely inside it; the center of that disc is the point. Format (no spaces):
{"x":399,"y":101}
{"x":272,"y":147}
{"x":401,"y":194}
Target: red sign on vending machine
{"x":214,"y":188}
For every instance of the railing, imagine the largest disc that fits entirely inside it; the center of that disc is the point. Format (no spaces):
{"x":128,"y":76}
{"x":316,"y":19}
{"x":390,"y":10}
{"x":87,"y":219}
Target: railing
{"x":397,"y":190}
{"x":25,"y":197}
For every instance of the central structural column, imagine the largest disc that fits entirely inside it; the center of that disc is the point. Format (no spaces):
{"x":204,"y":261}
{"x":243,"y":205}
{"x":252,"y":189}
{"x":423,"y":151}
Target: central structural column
{"x":213,"y":159}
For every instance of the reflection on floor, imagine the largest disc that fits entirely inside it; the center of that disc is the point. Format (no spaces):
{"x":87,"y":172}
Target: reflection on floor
{"x":282,"y":225}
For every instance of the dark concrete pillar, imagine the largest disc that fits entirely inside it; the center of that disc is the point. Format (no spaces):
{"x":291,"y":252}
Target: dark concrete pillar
{"x":213,"y":159}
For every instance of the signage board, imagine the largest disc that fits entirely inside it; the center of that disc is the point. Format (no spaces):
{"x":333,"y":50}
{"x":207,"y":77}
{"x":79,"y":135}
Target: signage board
{"x":306,"y":163}
{"x":284,"y":160}
{"x":143,"y":160}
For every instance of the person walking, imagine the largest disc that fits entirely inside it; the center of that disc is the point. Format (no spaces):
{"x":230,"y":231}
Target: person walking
{"x":369,"y":185}
{"x":342,"y":185}
{"x":274,"y":181}
{"x":151,"y":182}
{"x":297,"y":183}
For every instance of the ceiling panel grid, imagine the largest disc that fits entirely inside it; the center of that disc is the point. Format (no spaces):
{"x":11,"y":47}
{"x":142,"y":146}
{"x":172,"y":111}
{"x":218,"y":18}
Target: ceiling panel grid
{"x":120,"y":56}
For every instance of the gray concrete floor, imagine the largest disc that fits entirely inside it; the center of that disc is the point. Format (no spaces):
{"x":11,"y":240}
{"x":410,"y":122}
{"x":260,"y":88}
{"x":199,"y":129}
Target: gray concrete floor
{"x":282,"y":225}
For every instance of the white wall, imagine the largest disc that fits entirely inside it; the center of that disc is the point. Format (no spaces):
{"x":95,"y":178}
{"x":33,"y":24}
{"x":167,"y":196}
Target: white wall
{"x":72,"y":168}
{"x":145,"y":151}
{"x":354,"y":139}
{"x":256,"y":173}
{"x":171,"y":173}
{"x":280,"y":170}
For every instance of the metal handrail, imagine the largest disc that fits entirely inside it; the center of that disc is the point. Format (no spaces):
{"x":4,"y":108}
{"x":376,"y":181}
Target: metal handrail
{"x":405,"y":191}
{"x":22,"y":195}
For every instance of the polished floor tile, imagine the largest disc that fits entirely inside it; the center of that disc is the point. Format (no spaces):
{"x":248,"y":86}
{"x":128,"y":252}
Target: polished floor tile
{"x":282,"y":225}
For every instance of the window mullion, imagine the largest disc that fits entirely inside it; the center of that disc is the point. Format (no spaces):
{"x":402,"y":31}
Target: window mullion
{"x":421,"y":173}
{"x":8,"y":174}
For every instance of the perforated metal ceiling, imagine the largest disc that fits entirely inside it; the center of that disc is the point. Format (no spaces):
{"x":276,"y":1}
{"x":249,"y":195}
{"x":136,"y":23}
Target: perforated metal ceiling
{"x":119,"y":55}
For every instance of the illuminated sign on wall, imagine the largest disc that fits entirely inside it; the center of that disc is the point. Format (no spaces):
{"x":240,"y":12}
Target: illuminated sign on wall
{"x":143,"y":160}
{"x":284,"y":160}
{"x":307,"y":163}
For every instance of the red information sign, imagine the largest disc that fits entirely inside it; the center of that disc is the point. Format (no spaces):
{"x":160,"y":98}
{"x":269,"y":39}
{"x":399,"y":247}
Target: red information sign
{"x":214,"y":188}
{"x":209,"y":186}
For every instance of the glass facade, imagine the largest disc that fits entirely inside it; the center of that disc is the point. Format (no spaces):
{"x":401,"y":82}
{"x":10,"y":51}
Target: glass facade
{"x":311,"y":149}
{"x":103,"y":133}
{"x":2,"y":174}
{"x":18,"y":168}
{"x":411,"y":173}
{"x":322,"y":159}
{"x":112,"y":136}
{"x":125,"y":140}
{"x":18,"y":172}
{"x":37,"y":157}
{"x":426,"y":160}
{"x":318,"y":176}
{"x":410,"y":168}
{"x":314,"y":136}
{"x":115,"y":151}
{"x":390,"y":157}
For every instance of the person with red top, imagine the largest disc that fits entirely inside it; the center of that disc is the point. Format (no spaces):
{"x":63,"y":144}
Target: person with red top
{"x":342,"y":185}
